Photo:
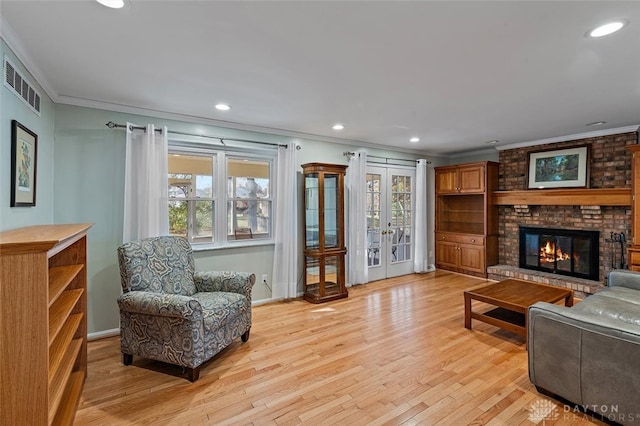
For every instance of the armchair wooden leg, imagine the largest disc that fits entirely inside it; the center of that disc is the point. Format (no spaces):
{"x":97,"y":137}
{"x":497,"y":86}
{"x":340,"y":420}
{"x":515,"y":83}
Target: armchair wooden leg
{"x":127,"y":359}
{"x":193,"y":373}
{"x":245,"y":336}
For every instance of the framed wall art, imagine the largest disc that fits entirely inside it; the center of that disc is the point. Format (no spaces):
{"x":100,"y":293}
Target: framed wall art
{"x":24,"y":155}
{"x":560,"y":168}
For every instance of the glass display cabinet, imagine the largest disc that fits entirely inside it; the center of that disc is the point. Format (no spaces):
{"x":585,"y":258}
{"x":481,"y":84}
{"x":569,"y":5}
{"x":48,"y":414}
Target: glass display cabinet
{"x":324,"y":247}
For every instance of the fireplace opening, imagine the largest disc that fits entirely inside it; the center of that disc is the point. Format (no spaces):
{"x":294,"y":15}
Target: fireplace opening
{"x":573,"y":253}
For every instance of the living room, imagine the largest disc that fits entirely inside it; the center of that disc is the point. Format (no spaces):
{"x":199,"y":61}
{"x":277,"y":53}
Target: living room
{"x":80,"y":179}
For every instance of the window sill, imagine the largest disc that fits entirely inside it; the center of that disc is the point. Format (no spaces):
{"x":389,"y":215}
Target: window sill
{"x":231,"y":245}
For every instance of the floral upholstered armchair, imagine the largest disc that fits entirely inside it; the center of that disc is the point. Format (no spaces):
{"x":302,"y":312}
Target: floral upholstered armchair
{"x":170,"y":313}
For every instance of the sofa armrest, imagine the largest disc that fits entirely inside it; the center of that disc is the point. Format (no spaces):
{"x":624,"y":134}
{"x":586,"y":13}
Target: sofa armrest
{"x":233,"y":282}
{"x":584,"y":320}
{"x":160,"y":304}
{"x":584,"y":357}
{"x":624,"y":278}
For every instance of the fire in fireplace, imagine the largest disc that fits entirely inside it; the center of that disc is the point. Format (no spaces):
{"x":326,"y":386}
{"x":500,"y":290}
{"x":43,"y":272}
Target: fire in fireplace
{"x":560,"y":251}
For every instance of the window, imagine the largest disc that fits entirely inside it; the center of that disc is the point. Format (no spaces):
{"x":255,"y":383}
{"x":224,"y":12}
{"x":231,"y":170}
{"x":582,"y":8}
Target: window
{"x":248,"y":197}
{"x":218,"y":197}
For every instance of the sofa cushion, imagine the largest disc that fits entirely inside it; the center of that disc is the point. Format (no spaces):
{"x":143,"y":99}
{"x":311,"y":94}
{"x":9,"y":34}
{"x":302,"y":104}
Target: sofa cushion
{"x":622,"y":293}
{"x":610,"y":307}
{"x":218,"y":308}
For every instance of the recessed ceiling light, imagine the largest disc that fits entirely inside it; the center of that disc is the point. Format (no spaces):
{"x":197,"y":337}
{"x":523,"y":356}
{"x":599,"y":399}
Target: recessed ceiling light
{"x":338,"y":126}
{"x":113,"y":4}
{"x":223,"y":107}
{"x":596,"y":123}
{"x":414,"y":139}
{"x":606,"y":29}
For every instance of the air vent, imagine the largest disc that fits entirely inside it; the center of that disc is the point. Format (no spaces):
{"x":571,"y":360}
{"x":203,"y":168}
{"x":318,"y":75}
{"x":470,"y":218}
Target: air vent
{"x":20,"y":86}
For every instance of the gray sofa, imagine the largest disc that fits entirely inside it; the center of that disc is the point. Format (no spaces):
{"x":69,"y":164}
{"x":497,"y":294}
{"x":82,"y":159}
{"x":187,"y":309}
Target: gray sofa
{"x":589,"y":354}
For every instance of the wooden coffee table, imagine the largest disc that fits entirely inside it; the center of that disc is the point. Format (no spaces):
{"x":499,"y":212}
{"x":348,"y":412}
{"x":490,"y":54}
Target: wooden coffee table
{"x":512,"y":298}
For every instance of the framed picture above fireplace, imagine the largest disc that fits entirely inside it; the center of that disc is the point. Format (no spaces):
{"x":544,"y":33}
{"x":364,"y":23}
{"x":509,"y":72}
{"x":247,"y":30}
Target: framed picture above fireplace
{"x":559,"y":168}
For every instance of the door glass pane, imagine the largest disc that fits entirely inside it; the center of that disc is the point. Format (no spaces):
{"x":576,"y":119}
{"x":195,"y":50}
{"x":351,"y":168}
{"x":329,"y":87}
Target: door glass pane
{"x":547,"y":252}
{"x":313,"y":275}
{"x":563,"y":254}
{"x":581,"y":251}
{"x":400,"y":223}
{"x":312,"y":204}
{"x":330,"y":210}
{"x":373,"y":219}
{"x":332,"y":283}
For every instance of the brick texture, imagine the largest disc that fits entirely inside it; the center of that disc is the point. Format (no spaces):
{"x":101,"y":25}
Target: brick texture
{"x":609,"y":167}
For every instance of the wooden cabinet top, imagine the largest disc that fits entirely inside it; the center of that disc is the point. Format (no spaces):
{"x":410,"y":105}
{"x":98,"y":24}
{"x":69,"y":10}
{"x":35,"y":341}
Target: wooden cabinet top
{"x":324,"y":167}
{"x":38,"y":238}
{"x":475,"y":164}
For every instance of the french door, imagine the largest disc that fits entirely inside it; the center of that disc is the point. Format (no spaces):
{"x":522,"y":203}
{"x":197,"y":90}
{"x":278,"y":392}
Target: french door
{"x":390,"y":227}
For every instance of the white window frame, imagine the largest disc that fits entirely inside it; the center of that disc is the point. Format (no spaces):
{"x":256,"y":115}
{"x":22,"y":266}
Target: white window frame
{"x":220,"y":199}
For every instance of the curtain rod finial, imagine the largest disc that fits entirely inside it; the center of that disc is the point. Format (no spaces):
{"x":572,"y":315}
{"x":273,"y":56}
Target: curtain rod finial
{"x":111,"y":125}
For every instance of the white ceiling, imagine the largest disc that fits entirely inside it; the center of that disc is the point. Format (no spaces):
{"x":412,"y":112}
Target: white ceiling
{"x":456,"y":74}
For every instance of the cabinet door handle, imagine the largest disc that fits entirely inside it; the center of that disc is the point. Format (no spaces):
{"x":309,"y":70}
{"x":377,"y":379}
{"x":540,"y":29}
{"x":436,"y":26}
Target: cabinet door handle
{"x":473,"y":241}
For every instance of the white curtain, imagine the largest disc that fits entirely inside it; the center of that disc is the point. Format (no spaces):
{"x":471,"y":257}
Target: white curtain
{"x":146,"y":209}
{"x":421,"y":262}
{"x":285,"y":256}
{"x":356,"y":182}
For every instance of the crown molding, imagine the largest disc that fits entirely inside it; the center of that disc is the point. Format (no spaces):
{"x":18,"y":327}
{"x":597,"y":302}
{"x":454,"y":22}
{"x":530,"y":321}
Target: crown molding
{"x":594,"y":134}
{"x":11,"y":39}
{"x":129,"y":109}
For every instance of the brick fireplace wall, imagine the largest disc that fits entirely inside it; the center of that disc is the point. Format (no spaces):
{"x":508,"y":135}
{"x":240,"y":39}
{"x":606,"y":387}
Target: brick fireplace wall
{"x":609,"y":167}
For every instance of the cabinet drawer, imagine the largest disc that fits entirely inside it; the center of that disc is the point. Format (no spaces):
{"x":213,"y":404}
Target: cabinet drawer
{"x":462,"y":238}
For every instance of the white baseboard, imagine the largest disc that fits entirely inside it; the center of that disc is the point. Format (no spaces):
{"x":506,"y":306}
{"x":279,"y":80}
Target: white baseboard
{"x":102,"y":334}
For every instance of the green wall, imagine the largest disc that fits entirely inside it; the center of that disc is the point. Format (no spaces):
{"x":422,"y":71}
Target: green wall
{"x":88,"y":187}
{"x":13,"y":108}
{"x":80,"y":178}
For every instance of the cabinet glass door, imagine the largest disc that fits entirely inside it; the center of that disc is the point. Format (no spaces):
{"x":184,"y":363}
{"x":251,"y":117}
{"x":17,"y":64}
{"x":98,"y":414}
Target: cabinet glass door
{"x":312,"y":206}
{"x":330,"y":211}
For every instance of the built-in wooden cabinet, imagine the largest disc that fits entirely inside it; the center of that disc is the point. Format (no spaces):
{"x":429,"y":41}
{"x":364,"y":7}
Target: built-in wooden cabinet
{"x":324,"y":243}
{"x":466,"y":222}
{"x":461,"y":179}
{"x":43,"y":312}
{"x":634,"y":248}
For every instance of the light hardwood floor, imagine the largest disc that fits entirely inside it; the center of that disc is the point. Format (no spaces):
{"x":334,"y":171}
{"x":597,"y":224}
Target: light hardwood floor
{"x":395,"y":352}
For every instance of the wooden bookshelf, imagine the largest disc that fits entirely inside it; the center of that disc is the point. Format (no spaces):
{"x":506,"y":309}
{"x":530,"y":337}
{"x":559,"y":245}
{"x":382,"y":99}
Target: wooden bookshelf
{"x":43,"y":344}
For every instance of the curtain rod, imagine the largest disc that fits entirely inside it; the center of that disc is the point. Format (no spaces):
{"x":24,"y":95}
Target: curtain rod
{"x":113,"y":125}
{"x":351,"y":154}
